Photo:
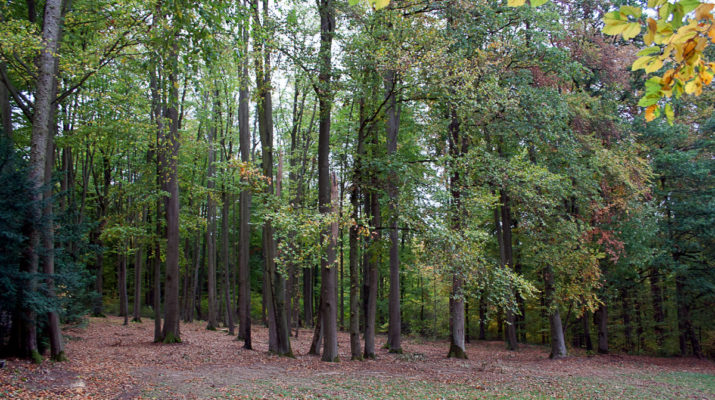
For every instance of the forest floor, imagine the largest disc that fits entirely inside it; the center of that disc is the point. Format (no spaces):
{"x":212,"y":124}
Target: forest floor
{"x":108,"y":360}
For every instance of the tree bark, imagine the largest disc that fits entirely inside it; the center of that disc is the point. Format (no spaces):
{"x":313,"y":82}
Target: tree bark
{"x":212,"y":322}
{"x":40,"y":140}
{"x":122,"y":282}
{"x":5,"y":109}
{"x":48,"y":259}
{"x":244,"y":234}
{"x":138,"y":267}
{"x":326,"y":9}
{"x":373,"y":205}
{"x":602,"y":318}
{"x":274,"y":287}
{"x":171,"y":332}
{"x":394,"y":340}
{"x":558,"y":345}
{"x":457,"y":148}
{"x":225,"y":261}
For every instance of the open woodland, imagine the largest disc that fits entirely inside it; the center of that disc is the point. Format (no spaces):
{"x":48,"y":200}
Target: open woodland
{"x":357,"y":199}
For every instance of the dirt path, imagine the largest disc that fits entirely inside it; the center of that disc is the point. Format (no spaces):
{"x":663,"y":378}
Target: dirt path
{"x":108,"y":360}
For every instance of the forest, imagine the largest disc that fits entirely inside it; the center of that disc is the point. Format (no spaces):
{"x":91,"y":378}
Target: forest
{"x":357,"y":181}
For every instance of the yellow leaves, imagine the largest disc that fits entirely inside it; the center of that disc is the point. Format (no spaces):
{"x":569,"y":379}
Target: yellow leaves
{"x":649,"y":37}
{"x":695,"y":86}
{"x":632,"y":30}
{"x":649,"y":63}
{"x":381,"y":4}
{"x":519,"y":3}
{"x":650,"y":112}
{"x":618,"y":22}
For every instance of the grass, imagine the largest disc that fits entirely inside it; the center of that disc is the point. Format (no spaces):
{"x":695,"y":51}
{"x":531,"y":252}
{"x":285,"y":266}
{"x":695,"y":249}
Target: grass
{"x":676,"y":385}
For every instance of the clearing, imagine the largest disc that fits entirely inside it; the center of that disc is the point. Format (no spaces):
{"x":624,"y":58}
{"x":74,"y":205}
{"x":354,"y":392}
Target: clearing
{"x":108,"y":360}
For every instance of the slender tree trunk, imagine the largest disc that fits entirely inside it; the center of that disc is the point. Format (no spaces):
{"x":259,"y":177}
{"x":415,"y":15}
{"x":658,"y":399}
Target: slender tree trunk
{"x":5,"y":110}
{"x":159,"y":154}
{"x":122,"y":281}
{"x":138,"y":267}
{"x":392,"y":127}
{"x":225,"y":262}
{"x":355,"y":347}
{"x":211,"y":226}
{"x":274,"y":282}
{"x":48,"y":259}
{"x":40,"y":140}
{"x":482,"y":318}
{"x":512,"y":342}
{"x":244,"y":234}
{"x":372,"y":203}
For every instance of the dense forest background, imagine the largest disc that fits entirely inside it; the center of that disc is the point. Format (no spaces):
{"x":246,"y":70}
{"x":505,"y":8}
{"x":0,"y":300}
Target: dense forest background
{"x":449,"y":169}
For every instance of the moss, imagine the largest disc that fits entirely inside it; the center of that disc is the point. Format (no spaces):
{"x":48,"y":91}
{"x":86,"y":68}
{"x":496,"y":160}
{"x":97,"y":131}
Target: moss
{"x":370,"y":356}
{"x":36,"y":357}
{"x":171,"y":338}
{"x":137,"y":320}
{"x":60,"y":357}
{"x":357,"y":358}
{"x":456,"y":352}
{"x":396,"y":351}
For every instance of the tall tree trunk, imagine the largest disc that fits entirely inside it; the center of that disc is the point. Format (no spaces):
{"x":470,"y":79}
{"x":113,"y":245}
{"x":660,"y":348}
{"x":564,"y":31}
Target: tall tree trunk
{"x":328,"y":287}
{"x":326,"y":9}
{"x":40,"y":140}
{"x":212,"y":323}
{"x":457,"y":148}
{"x":274,"y":288}
{"x":244,"y":233}
{"x":585,"y":320}
{"x":225,"y":261}
{"x":355,"y":348}
{"x":48,"y":259}
{"x":558,"y":345}
{"x":602,"y":319}
{"x":122,"y":282}
{"x":159,"y":154}
{"x":392,"y":127}
{"x":511,"y":338}
{"x":138,"y":267}
{"x":373,"y":205}
{"x":171,"y":332}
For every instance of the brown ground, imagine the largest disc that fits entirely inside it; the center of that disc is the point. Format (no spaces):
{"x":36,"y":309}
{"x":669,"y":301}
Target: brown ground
{"x":108,"y":360}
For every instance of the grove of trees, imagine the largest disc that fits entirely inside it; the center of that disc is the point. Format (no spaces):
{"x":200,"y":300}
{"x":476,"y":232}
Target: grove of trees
{"x":463,"y":170}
